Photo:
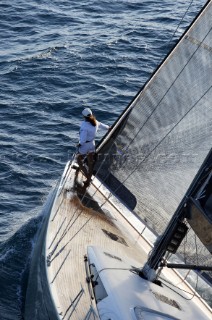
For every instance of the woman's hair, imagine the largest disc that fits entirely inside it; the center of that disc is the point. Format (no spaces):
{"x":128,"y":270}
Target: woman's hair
{"x":91,"y":119}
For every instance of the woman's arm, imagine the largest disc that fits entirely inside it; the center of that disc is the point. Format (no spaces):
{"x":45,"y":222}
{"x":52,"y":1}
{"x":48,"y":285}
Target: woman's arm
{"x":103,"y":126}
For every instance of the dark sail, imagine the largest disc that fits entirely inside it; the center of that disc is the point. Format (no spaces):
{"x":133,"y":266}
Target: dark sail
{"x":155,"y":150}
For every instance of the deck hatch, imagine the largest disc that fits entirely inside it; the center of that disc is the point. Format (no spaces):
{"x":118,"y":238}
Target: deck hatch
{"x":166,"y":300}
{"x":112,"y":256}
{"x":149,"y":314}
{"x":115,"y":237}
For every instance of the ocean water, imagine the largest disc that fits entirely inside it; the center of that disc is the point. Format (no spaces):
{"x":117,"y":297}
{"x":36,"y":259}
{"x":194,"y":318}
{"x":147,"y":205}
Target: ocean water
{"x":55,"y":58}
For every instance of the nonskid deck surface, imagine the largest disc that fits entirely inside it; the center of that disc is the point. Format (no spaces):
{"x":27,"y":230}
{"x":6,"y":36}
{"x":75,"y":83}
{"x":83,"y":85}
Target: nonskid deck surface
{"x":81,"y":218}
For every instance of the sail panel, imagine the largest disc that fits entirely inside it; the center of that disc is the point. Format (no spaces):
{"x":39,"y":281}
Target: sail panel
{"x":155,"y":150}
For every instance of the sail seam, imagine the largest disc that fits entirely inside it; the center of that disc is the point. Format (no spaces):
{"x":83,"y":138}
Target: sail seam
{"x":164,"y":137}
{"x":199,"y":43}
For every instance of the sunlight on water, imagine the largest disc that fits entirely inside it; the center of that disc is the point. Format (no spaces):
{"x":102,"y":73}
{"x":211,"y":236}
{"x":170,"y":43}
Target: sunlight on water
{"x":57,"y":57}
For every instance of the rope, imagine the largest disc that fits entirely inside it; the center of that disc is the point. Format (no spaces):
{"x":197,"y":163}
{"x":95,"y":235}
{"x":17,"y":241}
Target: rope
{"x":63,"y":182}
{"x":181,"y":20}
{"x":110,"y":194}
{"x":163,"y":138}
{"x":165,"y":96}
{"x":152,"y":114}
{"x":193,"y":294}
{"x":67,"y":228}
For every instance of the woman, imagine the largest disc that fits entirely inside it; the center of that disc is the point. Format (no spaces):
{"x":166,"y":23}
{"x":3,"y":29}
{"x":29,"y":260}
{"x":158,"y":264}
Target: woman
{"x":86,"y":145}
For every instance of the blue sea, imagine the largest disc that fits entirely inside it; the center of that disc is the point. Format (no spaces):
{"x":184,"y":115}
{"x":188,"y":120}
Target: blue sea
{"x":56,"y":57}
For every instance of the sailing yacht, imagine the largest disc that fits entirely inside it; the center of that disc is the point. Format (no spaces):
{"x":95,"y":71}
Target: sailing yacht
{"x":137,"y":243}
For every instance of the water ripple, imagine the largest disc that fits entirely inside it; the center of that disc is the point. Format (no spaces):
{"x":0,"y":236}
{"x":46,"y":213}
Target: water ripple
{"x":55,"y":58}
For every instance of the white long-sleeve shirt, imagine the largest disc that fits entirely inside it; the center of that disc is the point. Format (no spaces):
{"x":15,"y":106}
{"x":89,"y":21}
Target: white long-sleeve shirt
{"x":87,"y":136}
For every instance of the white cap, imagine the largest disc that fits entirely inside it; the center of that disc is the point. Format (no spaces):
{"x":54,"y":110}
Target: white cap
{"x":87,"y":112}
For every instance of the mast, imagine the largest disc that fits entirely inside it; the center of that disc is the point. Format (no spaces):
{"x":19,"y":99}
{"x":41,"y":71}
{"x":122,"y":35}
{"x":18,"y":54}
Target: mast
{"x":177,"y":228}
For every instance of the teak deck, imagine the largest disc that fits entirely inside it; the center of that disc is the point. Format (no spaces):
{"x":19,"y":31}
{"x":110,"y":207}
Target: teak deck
{"x":80,"y":219}
{"x":72,"y":227}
